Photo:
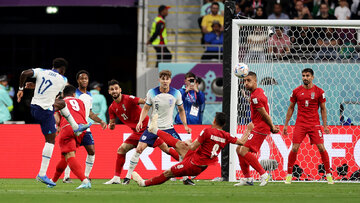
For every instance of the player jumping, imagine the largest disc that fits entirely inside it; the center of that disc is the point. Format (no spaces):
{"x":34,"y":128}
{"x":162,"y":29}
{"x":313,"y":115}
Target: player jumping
{"x":197,"y":155}
{"x":259,"y":128}
{"x":308,"y":97}
{"x":49,"y":83}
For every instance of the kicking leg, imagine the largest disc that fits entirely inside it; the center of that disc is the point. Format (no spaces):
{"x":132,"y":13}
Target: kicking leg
{"x":45,"y":161}
{"x":245,"y":168}
{"x":252,"y":160}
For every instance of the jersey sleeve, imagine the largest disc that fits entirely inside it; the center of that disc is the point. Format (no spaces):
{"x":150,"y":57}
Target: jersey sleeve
{"x":293,"y":98}
{"x":258,"y":101}
{"x":134,"y":100}
{"x":202,"y":136}
{"x":322,"y":97}
{"x":230,"y":138}
{"x":112,"y":114}
{"x":65,"y":83}
{"x":149,"y":98}
{"x":36,"y":72}
{"x":179,"y":100}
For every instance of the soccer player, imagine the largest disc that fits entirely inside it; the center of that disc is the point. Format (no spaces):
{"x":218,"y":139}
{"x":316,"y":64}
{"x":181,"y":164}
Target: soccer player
{"x":163,"y":100}
{"x":49,"y":83}
{"x":197,"y":155}
{"x":259,"y":128}
{"x":127,"y":109}
{"x":68,"y":140}
{"x":82,"y":78}
{"x":308,"y":97}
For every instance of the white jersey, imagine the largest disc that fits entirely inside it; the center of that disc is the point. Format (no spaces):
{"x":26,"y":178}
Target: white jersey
{"x":87,"y":99}
{"x":163,"y":104}
{"x":49,"y":83}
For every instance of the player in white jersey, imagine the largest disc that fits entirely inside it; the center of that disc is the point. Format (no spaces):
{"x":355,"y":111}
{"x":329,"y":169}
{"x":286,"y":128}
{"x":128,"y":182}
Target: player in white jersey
{"x":49,"y":83}
{"x":82,"y":78}
{"x":163,"y":100}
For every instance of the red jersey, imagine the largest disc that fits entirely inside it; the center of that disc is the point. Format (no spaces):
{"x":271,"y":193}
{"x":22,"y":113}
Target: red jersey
{"x":128,"y":111}
{"x":308,"y":101}
{"x":77,"y":110}
{"x":258,"y":100}
{"x":212,"y":141}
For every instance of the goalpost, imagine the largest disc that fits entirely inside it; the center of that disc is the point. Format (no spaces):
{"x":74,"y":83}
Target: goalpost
{"x":277,"y":51}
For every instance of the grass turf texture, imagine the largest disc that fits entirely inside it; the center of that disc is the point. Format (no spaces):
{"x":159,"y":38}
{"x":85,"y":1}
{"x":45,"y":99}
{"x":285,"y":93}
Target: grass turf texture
{"x":28,"y":190}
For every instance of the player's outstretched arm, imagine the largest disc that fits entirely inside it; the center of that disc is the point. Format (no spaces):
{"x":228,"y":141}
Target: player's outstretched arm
{"x":95,"y":118}
{"x":143,"y":115}
{"x":289,"y":113}
{"x":194,"y":145}
{"x":267,"y":118}
{"x":324,"y":117}
{"x":183,"y":118}
{"x":24,"y":75}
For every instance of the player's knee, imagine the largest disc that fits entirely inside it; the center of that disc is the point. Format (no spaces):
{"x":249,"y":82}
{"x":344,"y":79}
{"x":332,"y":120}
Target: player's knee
{"x":244,"y":151}
{"x":139,"y":150}
{"x":91,"y":151}
{"x":321,"y":148}
{"x":295,"y":148}
{"x":121,"y":150}
{"x":238,"y":149}
{"x":168,"y":174}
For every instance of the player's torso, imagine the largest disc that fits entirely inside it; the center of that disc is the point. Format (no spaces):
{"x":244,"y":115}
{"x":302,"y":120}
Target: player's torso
{"x":260,"y":125}
{"x":77,"y":110}
{"x":48,"y":85}
{"x":164,"y":104}
{"x":308,"y":105}
{"x":127,"y":111}
{"x":87,"y":99}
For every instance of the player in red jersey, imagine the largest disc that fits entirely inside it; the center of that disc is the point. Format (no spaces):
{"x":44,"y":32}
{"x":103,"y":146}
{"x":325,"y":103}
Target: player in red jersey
{"x":259,"y":128}
{"x":197,"y":155}
{"x":127,"y":109}
{"x":308,"y":97}
{"x":68,"y":140}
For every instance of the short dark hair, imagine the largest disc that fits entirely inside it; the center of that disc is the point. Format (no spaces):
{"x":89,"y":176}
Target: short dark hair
{"x":220,"y":118}
{"x":69,"y":90}
{"x":308,"y":70}
{"x":113,"y":82}
{"x":81,"y":72}
{"x":165,"y":73}
{"x":190,"y":75}
{"x":252,"y":74}
{"x":59,"y":62}
{"x":215,"y":3}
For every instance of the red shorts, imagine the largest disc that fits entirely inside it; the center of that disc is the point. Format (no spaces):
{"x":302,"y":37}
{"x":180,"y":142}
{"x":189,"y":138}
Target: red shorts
{"x":68,"y":140}
{"x":314,"y":131}
{"x":186,"y":167}
{"x":134,"y":138}
{"x":254,"y":141}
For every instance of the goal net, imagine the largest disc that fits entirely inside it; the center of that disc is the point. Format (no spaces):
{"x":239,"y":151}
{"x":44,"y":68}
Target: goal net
{"x":277,"y":51}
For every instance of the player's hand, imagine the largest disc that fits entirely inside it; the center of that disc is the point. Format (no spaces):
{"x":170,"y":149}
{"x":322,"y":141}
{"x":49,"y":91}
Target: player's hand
{"x":103,"y":125}
{"x":29,"y":85}
{"x":326,"y":130}
{"x":275,"y":129}
{"x":188,"y":130}
{"x":111,"y":126}
{"x":285,"y":130}
{"x":139,"y":126}
{"x":19,"y":95}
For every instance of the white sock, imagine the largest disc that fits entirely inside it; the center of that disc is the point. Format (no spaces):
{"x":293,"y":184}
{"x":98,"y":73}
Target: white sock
{"x":67,"y":172}
{"x":46,"y":156}
{"x":66,"y":113}
{"x":133,"y":162}
{"x":90,"y":159}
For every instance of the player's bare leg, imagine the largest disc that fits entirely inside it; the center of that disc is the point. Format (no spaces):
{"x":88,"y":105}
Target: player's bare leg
{"x":45,"y":161}
{"x":291,"y":162}
{"x":325,"y":159}
{"x":245,"y":168}
{"x":169,"y":151}
{"x":253,"y":161}
{"x":120,"y":160}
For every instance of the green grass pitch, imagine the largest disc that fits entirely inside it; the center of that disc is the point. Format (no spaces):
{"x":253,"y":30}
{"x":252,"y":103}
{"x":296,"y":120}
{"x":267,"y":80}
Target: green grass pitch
{"x":28,"y":190}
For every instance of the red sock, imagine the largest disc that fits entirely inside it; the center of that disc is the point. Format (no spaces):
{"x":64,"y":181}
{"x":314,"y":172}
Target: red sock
{"x":252,"y":160}
{"x":60,"y":167}
{"x":168,"y":139}
{"x":76,"y":168}
{"x":156,"y":180}
{"x":244,"y":165}
{"x":120,"y":160}
{"x":325,"y":159}
{"x":174,"y":154}
{"x":291,"y":161}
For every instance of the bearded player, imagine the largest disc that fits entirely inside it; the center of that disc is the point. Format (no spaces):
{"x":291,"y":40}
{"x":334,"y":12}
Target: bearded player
{"x":309,"y":98}
{"x":68,"y":140}
{"x":127,"y":109}
{"x":260,"y":127}
{"x":197,"y":155}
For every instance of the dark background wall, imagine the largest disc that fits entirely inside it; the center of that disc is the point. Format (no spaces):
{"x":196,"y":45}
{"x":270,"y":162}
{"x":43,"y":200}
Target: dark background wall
{"x":101,"y":40}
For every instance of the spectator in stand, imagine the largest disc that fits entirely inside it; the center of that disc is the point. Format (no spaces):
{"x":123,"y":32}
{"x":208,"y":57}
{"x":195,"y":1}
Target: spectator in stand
{"x":355,"y":9}
{"x":330,"y":3}
{"x":5,"y":82}
{"x":279,"y":44}
{"x":278,"y":14}
{"x":285,"y":4}
{"x":342,"y":12}
{"x":194,"y":100}
{"x":260,"y":14}
{"x":159,"y":35}
{"x":207,"y":21}
{"x":300,"y":11}
{"x":327,"y":40}
{"x":324,"y":13}
{"x":256,"y":4}
{"x":206,"y":8}
{"x":256,"y":41}
{"x":6,"y":102}
{"x":99,"y":105}
{"x":216,"y":37}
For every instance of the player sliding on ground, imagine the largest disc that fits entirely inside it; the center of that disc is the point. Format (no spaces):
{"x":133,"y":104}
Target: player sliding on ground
{"x":259,"y":128}
{"x":197,"y":155}
{"x":49,"y":83}
{"x":308,"y":97}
